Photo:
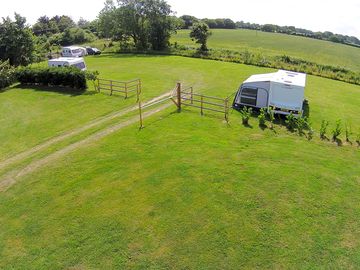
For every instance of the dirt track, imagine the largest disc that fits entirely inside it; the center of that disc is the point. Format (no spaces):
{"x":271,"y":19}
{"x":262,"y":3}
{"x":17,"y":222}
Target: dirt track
{"x":14,"y":176}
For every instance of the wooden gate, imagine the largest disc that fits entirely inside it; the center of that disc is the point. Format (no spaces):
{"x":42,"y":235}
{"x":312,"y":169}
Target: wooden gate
{"x":126,"y":88}
{"x":187,"y":97}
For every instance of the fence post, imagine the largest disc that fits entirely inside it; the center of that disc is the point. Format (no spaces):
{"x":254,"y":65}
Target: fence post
{"x":227,"y":110}
{"x":192,"y":96}
{"x":126,"y":91}
{"x":178,"y":91}
{"x":201,"y":106}
{"x":137,"y":93}
{"x":140,"y":115}
{"x":111,"y":88}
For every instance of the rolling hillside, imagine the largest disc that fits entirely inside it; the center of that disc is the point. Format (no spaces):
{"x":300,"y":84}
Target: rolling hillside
{"x":318,"y":51}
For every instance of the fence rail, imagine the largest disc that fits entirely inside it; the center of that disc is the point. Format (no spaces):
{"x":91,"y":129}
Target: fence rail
{"x":187,"y":97}
{"x":127,"y":88}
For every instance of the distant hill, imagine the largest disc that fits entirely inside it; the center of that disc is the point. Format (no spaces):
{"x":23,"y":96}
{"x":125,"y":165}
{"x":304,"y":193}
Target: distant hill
{"x":319,"y":51}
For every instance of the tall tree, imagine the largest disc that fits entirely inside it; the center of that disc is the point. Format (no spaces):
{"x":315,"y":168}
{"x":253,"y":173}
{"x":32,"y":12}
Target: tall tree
{"x":16,"y":41}
{"x":147,"y":22}
{"x":107,"y":20}
{"x":200,"y":32}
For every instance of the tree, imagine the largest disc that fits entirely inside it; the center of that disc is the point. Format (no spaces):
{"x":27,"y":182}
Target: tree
{"x":106,"y":20}
{"x":189,"y":20}
{"x":83,"y":24}
{"x":147,"y":22}
{"x":210,"y":22}
{"x":16,"y":41}
{"x":200,"y":32}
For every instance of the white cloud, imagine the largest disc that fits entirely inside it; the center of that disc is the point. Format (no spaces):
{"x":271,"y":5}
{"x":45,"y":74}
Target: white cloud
{"x":333,"y":15}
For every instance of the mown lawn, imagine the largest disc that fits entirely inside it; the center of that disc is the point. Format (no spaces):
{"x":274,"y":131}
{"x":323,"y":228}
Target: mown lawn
{"x":29,"y":117}
{"x":187,"y":191}
{"x":322,"y":52}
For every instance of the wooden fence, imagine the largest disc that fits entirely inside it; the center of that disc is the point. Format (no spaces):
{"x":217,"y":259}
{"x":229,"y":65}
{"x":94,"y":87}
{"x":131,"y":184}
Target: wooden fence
{"x":187,"y":97}
{"x":127,"y":88}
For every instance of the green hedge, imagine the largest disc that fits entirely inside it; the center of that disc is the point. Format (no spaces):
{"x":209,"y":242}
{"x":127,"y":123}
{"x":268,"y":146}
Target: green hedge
{"x":53,"y":76}
{"x":7,"y":74}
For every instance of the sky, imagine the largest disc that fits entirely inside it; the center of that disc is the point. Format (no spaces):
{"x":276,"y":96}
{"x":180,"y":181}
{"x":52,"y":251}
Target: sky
{"x":332,"y":15}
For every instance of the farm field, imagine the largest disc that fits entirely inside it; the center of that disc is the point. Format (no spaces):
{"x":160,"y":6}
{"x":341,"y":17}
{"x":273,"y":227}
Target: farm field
{"x":322,"y":52}
{"x":186,"y":191}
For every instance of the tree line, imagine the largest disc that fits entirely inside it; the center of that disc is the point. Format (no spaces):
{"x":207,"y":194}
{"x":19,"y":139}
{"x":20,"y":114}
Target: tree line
{"x":135,"y":24}
{"x":188,"y":20}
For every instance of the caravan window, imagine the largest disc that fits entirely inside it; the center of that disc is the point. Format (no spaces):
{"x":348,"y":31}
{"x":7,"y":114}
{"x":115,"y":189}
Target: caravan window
{"x":80,"y":65}
{"x":249,"y":96}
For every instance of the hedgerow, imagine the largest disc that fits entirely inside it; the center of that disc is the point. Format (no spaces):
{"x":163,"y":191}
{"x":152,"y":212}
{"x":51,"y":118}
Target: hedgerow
{"x":53,"y":76}
{"x":278,"y":62}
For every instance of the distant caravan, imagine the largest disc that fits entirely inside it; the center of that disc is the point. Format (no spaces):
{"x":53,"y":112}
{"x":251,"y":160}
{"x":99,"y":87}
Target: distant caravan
{"x":283,"y":91}
{"x":67,"y":62}
{"x":73,"y":51}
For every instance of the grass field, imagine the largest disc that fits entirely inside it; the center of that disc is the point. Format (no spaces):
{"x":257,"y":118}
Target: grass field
{"x":322,"y":52}
{"x":185,"y":192}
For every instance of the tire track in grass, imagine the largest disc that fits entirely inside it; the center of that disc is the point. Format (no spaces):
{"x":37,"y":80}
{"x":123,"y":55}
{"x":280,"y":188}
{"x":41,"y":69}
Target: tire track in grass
{"x":14,"y":176}
{"x":26,"y":154}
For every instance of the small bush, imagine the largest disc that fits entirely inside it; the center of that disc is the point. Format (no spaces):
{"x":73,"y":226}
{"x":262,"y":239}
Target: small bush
{"x":53,"y":76}
{"x":7,"y":74}
{"x":262,"y":118}
{"x":323,"y":129}
{"x":92,"y":76}
{"x":302,"y":124}
{"x":271,"y":115}
{"x":291,"y":122}
{"x":336,"y":132}
{"x":245,"y":115}
{"x":310,"y":134}
{"x":358,"y":138}
{"x":348,"y":132}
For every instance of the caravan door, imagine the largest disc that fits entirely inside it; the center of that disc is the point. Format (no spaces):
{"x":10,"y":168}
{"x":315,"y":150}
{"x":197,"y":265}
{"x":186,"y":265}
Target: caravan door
{"x":262,"y":98}
{"x":252,"y":97}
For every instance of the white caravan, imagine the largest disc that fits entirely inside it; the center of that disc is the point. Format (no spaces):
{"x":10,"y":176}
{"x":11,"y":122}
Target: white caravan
{"x":282,"y":90}
{"x":73,"y":51}
{"x":66,"y":62}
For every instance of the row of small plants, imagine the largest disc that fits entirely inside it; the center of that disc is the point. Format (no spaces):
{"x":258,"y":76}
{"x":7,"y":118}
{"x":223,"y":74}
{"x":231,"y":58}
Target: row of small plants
{"x":302,"y":125}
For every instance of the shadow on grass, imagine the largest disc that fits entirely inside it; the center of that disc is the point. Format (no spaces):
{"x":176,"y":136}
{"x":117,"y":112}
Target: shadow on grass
{"x":338,"y":141}
{"x":55,"y":89}
{"x":147,"y":123}
{"x":126,"y":55}
{"x":247,"y":125}
{"x":306,"y":109}
{"x":263,"y":127}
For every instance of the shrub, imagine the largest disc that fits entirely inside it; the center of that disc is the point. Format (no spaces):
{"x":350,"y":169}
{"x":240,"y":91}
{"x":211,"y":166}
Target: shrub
{"x":291,"y":122}
{"x":323,"y":129}
{"x":336,"y":132}
{"x":245,"y":115}
{"x":75,"y":36}
{"x":358,"y":138}
{"x":92,"y":76}
{"x":53,"y":76}
{"x":310,"y":133}
{"x":348,"y":132}
{"x":7,"y":74}
{"x":262,"y":118}
{"x":271,"y":115}
{"x":302,"y":124}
